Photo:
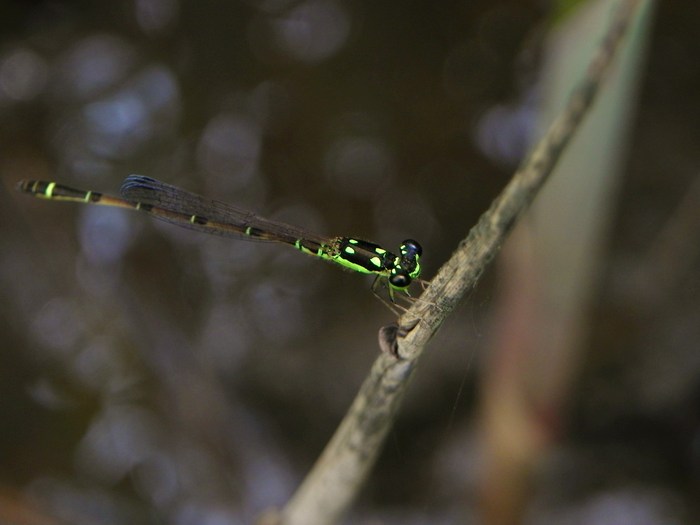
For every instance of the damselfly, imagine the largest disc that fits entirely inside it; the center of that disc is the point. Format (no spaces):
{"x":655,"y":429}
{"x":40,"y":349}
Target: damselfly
{"x":188,"y":210}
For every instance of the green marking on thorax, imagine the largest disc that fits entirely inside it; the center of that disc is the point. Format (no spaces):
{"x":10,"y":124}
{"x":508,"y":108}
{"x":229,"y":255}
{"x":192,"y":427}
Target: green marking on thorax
{"x":351,"y":265}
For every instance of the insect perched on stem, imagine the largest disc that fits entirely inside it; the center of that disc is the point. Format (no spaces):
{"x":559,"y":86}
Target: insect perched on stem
{"x":188,"y":210}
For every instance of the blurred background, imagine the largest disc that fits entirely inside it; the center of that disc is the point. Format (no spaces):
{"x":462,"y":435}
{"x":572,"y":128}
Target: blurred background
{"x":150,"y":374}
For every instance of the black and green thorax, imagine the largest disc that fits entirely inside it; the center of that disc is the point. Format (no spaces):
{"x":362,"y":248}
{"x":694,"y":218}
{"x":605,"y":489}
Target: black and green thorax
{"x":369,"y":258}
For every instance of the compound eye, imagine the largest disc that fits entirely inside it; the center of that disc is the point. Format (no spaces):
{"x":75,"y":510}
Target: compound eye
{"x":399,"y":279}
{"x":411,"y":247}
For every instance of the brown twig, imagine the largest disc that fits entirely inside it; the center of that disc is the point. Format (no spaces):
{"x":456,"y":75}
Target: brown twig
{"x":340,"y":471}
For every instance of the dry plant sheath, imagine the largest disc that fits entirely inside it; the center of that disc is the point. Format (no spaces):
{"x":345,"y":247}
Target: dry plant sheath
{"x":340,"y":471}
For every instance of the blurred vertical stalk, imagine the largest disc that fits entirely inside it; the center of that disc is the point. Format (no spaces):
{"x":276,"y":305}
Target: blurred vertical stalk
{"x":550,"y":265}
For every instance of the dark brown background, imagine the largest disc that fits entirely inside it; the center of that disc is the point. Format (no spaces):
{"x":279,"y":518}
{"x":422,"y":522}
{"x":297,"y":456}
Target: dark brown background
{"x":149,"y":374}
